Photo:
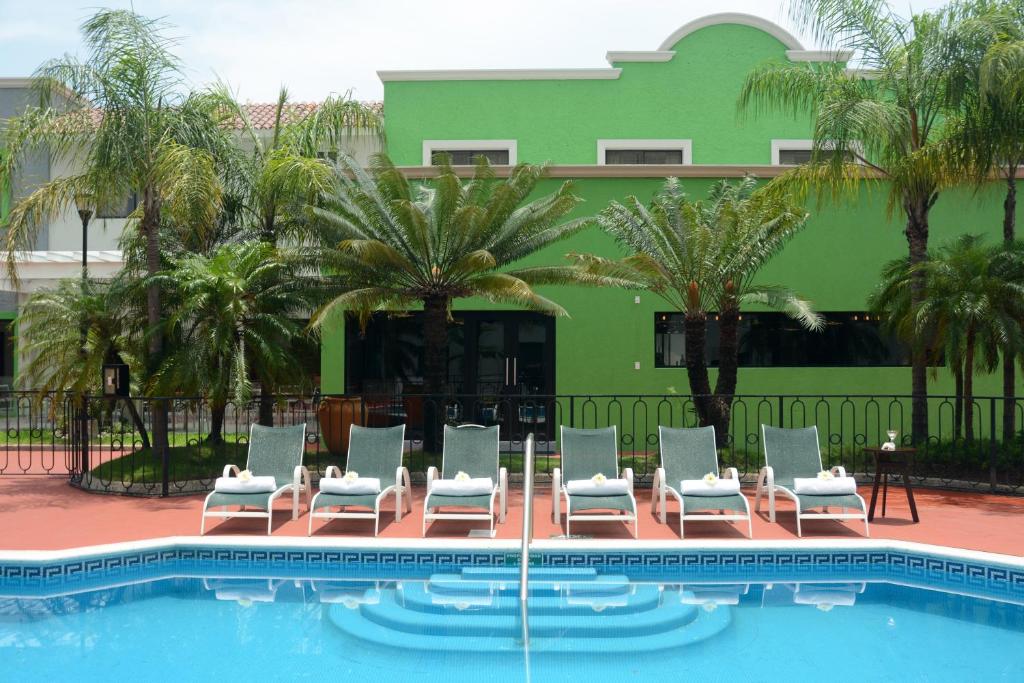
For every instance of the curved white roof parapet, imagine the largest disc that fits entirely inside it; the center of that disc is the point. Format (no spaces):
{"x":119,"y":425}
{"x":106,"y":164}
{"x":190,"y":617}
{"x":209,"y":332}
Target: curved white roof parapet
{"x":771,"y":28}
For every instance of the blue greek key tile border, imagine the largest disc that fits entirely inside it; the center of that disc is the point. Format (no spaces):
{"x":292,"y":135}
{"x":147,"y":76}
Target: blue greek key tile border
{"x":948,"y":573}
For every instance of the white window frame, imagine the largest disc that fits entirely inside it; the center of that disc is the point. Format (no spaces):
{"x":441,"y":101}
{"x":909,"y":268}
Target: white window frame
{"x":686,"y":146}
{"x":430,"y":146}
{"x":802,"y":146}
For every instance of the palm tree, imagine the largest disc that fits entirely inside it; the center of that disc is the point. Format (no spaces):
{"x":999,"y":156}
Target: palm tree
{"x":269,"y":189}
{"x":238,"y":314}
{"x":54,"y":323}
{"x":400,"y":244}
{"x":975,"y":310}
{"x":703,"y":257}
{"x":881,"y":120}
{"x":988,"y":133}
{"x":122,"y":118}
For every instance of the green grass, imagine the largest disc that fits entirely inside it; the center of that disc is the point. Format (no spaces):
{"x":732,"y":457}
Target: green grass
{"x":186,"y":462}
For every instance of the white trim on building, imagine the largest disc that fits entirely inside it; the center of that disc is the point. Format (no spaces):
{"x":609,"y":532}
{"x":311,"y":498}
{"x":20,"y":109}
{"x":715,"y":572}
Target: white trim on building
{"x":39,"y":269}
{"x":686,"y":146}
{"x":431,"y":146}
{"x":499,"y":75}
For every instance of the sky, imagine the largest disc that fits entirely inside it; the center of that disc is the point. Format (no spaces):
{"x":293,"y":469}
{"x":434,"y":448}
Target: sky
{"x":320,"y":47}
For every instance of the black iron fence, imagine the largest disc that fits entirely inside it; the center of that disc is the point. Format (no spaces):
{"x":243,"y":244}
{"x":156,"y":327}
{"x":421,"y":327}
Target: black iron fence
{"x":108,"y":444}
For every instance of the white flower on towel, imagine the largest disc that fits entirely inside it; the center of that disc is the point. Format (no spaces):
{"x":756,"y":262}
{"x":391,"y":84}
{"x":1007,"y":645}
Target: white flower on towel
{"x":599,"y":479}
{"x":824,"y":606}
{"x":245,"y":602}
{"x":461,"y":476}
{"x":710,"y":478}
{"x":710,"y":606}
{"x":826,"y":475}
{"x":245,"y":475}
{"x":351,"y":476}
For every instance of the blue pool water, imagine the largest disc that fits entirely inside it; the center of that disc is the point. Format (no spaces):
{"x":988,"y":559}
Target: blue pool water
{"x":466,"y":625}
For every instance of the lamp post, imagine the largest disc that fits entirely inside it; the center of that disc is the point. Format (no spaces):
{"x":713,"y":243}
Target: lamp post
{"x":84,"y":204}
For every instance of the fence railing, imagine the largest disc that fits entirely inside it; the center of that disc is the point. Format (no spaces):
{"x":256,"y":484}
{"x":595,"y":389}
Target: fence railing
{"x":43,"y":435}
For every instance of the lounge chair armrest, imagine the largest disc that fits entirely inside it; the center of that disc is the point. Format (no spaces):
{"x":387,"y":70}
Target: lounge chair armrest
{"x":767,"y":476}
{"x":230,"y":469}
{"x":627,"y":474}
{"x":301,"y":476}
{"x":659,"y":479}
{"x":732,"y":473}
{"x":556,"y":481}
{"x":431,"y":476}
{"x":839,"y":471}
{"x":503,"y":478}
{"x":332,"y":472}
{"x":399,"y":471}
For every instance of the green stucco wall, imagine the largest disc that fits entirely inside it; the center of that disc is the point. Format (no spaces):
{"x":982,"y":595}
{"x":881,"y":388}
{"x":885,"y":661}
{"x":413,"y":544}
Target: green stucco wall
{"x":835,"y":262}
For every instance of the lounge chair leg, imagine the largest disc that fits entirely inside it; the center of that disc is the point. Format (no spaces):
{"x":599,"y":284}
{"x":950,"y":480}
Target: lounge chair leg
{"x":398,"y":504}
{"x":681,"y":535}
{"x":799,"y":531}
{"x":750,"y":527}
{"x":867,"y":531}
{"x":202,"y":523}
{"x":270,"y":519}
{"x":295,"y":503}
{"x":757,"y":494}
{"x":309,"y":530}
{"x":771,"y":505}
{"x":376,"y":524}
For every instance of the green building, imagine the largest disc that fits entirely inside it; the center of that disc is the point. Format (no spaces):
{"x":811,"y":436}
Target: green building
{"x":619,"y":131}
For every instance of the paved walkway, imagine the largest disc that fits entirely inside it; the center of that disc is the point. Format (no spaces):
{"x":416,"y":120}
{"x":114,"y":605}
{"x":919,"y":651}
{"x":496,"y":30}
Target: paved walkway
{"x":44,"y":513}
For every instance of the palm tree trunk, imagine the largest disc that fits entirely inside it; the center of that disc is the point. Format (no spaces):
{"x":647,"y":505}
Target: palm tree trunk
{"x":728,"y":362}
{"x":1009,"y":374}
{"x":958,"y":398}
{"x":435,"y":368}
{"x":266,"y":408}
{"x":140,"y":426}
{"x":695,"y":329}
{"x":150,"y":226}
{"x":969,"y":385}
{"x":917,"y":241}
{"x":216,"y":435}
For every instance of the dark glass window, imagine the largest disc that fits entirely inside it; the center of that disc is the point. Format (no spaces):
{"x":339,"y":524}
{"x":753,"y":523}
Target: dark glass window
{"x":120,"y":209}
{"x":850,"y":339}
{"x":6,"y":353}
{"x":468,"y":157}
{"x":795,"y":157}
{"x":643,"y":156}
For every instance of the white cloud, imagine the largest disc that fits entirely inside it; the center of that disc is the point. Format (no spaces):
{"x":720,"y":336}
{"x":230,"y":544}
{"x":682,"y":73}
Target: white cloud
{"x":317,"y":47}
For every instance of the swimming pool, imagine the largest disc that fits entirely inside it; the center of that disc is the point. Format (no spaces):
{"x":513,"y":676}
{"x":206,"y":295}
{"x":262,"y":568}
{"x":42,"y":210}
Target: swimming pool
{"x":233,"y":613}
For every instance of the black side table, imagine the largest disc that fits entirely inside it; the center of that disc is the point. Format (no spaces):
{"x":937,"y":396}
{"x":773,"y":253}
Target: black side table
{"x":897,"y":461}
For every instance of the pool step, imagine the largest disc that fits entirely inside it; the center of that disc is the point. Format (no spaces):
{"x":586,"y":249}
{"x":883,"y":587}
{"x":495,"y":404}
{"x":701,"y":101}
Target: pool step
{"x":392,"y":614}
{"x":418,"y":597}
{"x":388,"y":627}
{"x":536,"y":573}
{"x":454,"y":584}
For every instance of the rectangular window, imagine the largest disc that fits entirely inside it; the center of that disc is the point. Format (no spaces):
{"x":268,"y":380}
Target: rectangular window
{"x":466,"y":152}
{"x":643,"y":156}
{"x":796,"y":157}
{"x":639,"y":152}
{"x":122,"y":209}
{"x":850,"y":339}
{"x":468,"y":157}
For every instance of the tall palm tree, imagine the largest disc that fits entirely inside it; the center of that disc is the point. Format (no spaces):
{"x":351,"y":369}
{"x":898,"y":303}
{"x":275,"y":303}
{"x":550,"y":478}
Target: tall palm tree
{"x":974,"y":310}
{"x":400,"y":244}
{"x":703,"y":257}
{"x":881,"y":120}
{"x":121,"y":116}
{"x":238,"y":314}
{"x":988,"y":131}
{"x":54,"y":323}
{"x":270,"y":188}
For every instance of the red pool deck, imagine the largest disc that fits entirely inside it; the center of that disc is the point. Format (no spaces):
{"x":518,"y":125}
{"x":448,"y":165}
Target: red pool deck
{"x":44,"y":513}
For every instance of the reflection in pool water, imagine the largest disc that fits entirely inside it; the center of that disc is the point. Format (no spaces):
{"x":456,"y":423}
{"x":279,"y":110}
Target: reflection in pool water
{"x":583,"y":625}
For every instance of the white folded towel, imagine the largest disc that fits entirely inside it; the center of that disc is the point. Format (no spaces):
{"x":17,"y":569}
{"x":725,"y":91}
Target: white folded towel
{"x":587,"y":487}
{"x":699,"y":487}
{"x":465,"y":487}
{"x":825,"y":487}
{"x":253,"y":485}
{"x":350,"y":487}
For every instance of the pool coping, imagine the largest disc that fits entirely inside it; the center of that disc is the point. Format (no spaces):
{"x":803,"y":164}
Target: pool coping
{"x":508,"y":546}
